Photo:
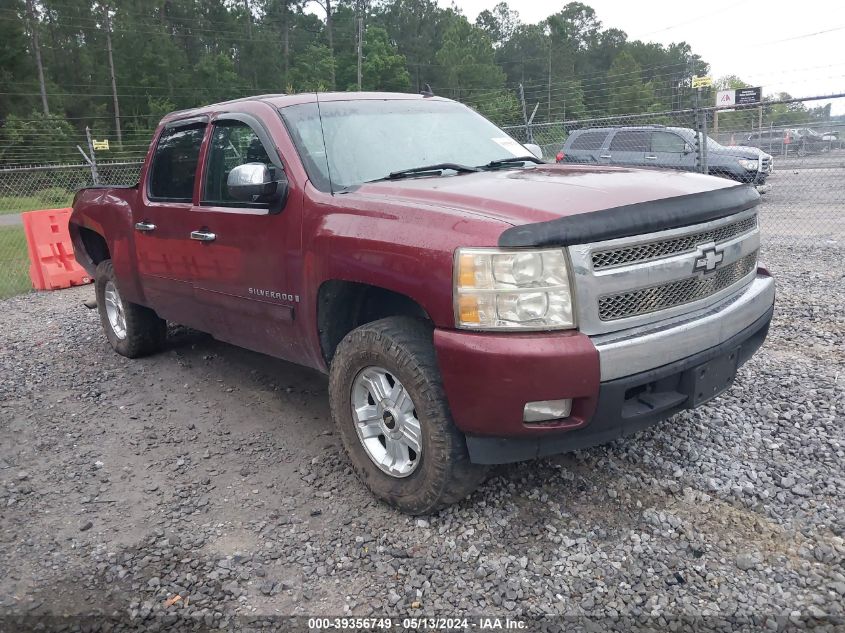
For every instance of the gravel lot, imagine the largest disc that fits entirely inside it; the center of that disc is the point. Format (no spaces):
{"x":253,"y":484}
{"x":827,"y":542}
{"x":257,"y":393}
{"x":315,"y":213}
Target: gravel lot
{"x":215,"y":474}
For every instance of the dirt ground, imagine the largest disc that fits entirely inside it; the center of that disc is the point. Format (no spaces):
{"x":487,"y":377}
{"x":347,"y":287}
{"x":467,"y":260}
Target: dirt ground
{"x":215,"y":474}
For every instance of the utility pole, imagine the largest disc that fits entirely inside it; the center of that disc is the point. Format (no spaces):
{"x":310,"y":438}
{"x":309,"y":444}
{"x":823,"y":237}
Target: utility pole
{"x":248,"y":19}
{"x":113,"y":81}
{"x":549,"y":115}
{"x":286,"y":18}
{"x":330,"y":31}
{"x":36,"y":51}
{"x":360,"y":50}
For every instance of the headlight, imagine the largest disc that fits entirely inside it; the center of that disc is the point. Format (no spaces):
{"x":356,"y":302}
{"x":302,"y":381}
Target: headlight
{"x":512,"y":290}
{"x":748,"y":164}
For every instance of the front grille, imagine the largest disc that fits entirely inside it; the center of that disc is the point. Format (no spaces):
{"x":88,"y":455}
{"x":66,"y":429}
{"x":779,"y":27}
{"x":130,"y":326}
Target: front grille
{"x":627,"y":255}
{"x":646,"y":300}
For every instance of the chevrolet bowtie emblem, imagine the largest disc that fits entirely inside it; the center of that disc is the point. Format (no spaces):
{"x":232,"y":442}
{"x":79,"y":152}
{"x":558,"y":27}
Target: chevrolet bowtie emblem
{"x":709,"y":260}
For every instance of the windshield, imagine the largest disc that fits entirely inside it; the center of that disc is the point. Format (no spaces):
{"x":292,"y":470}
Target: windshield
{"x":712,"y":144}
{"x":369,"y":139}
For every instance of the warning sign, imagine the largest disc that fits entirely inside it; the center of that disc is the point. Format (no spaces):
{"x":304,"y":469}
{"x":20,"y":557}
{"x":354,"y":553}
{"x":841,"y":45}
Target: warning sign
{"x":702,"y":82}
{"x":740,"y":96}
{"x":100,"y":145}
{"x":745,"y":96}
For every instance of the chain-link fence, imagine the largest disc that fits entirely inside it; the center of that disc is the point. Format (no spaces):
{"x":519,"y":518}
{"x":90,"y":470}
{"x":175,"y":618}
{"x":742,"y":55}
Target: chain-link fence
{"x":44,"y":187}
{"x":798,"y":167}
{"x":793,"y":151}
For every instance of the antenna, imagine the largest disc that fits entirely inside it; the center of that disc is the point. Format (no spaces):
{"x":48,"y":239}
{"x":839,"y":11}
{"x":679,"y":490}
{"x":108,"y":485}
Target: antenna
{"x":323,"y":135}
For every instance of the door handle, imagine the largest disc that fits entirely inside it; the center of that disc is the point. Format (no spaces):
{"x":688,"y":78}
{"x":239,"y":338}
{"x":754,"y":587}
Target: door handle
{"x":146,"y":227}
{"x":203,"y":236}
{"x":604,"y":156}
{"x":651,"y":157}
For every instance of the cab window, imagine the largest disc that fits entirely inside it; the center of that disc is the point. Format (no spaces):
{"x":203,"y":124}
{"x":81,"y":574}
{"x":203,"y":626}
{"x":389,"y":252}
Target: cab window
{"x":667,"y":142}
{"x":232,"y":143}
{"x":174,"y":165}
{"x":589,"y":141}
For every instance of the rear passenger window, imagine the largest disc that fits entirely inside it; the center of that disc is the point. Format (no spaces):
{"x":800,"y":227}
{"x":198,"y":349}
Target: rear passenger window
{"x":589,"y":140}
{"x":630,"y":141}
{"x":174,"y":165}
{"x":667,"y":142}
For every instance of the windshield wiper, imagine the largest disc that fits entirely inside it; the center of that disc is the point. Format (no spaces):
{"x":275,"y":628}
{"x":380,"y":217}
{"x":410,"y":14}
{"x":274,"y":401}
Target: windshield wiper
{"x":508,"y":162}
{"x":438,"y":168}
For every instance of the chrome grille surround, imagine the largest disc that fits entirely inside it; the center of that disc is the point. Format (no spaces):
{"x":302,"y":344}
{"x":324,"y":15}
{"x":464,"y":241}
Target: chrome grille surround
{"x":646,"y":300}
{"x":666,"y":247}
{"x":647,"y":291}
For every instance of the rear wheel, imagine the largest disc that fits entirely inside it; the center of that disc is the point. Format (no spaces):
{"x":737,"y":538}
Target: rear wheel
{"x":131,"y":329}
{"x":388,"y":403}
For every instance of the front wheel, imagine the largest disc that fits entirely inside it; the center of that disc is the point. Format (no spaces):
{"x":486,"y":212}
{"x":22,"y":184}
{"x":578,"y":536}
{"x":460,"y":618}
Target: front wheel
{"x":388,"y":402}
{"x":132,"y":330}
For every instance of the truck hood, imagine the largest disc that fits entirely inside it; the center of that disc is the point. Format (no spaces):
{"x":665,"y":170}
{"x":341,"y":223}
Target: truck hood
{"x":739,"y":151}
{"x":541,"y":193}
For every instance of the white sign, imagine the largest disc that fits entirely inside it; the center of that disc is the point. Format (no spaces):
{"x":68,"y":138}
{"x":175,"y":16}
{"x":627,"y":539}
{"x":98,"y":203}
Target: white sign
{"x":725,"y":98}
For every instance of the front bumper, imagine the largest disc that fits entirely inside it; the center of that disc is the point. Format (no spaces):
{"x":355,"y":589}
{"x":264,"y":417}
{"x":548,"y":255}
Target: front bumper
{"x":619,"y":383}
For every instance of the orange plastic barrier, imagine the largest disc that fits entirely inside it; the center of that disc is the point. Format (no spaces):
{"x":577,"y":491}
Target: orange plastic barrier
{"x":52,"y":264}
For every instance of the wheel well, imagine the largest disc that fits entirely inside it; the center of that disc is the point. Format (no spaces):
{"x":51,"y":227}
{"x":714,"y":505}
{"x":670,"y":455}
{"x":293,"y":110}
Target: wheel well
{"x":95,"y":245}
{"x":343,"y":306}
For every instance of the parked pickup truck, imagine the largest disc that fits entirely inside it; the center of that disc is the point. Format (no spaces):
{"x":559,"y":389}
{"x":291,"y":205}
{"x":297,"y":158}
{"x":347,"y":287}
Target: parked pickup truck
{"x":471,"y":304}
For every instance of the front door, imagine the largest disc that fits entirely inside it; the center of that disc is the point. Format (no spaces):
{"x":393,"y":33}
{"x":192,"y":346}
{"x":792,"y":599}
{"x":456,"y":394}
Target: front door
{"x":162,"y":222}
{"x":669,"y":150}
{"x":242,"y":278}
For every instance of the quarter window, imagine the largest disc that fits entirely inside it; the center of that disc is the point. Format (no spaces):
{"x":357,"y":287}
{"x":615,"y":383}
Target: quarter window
{"x":589,"y":140}
{"x":174,"y":165}
{"x":633,"y":141}
{"x":232,"y":143}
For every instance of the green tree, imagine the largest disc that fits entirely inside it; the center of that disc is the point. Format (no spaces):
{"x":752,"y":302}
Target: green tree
{"x":630,"y":94}
{"x":38,"y":138}
{"x":499,"y":23}
{"x":312,"y":70}
{"x":383,"y":67}
{"x":467,"y":62}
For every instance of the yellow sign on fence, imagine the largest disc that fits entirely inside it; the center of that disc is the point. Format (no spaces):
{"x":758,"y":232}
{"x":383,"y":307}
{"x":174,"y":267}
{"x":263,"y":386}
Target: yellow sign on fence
{"x":101,"y":145}
{"x":702,"y":82}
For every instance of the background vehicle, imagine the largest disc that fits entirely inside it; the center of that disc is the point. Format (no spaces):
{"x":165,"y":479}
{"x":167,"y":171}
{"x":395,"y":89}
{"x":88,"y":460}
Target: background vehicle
{"x":668,"y":147}
{"x":791,"y":141}
{"x":470,"y":305}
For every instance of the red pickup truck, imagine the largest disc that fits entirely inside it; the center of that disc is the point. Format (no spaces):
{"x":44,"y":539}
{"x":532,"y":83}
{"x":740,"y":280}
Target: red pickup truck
{"x":471,"y":304}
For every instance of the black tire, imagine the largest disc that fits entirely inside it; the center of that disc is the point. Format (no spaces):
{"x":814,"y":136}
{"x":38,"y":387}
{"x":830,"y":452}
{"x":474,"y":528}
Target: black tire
{"x":404,"y":347}
{"x":145,"y":331}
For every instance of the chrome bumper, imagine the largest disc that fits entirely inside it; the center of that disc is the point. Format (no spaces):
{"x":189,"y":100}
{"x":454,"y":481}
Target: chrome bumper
{"x":639,"y":349}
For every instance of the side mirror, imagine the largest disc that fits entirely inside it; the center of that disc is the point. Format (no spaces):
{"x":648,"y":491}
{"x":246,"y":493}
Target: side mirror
{"x":687,"y":148}
{"x":256,"y":182}
{"x":535,"y":149}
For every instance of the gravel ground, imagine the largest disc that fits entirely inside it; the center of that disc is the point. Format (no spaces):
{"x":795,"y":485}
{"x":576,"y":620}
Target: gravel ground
{"x":215,"y":474}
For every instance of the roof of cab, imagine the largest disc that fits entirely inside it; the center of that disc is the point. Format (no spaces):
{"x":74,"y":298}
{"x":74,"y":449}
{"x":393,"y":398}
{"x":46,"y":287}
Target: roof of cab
{"x":284,"y":100}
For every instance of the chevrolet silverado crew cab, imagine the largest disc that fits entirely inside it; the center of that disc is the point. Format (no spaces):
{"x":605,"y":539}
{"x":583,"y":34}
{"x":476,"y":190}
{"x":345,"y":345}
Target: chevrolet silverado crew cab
{"x":470,"y":304}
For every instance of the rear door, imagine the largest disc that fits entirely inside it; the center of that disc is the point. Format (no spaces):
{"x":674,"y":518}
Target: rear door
{"x":162,"y":223}
{"x":629,"y":147}
{"x":668,"y":149}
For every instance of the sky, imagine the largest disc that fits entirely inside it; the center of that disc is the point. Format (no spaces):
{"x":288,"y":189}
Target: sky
{"x":775,"y":44}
